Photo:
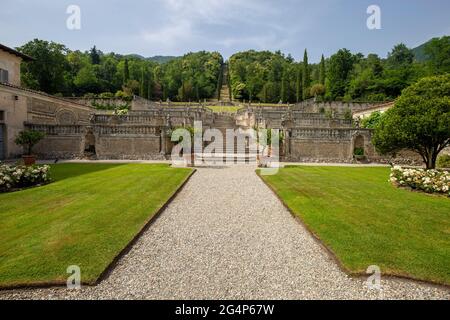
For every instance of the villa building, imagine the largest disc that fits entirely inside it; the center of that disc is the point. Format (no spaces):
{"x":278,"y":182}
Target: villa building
{"x":75,"y":129}
{"x":20,"y":107}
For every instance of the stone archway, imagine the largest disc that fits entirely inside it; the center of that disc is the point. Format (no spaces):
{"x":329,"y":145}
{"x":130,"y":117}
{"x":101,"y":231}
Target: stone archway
{"x":89,"y":144}
{"x":358,"y":150}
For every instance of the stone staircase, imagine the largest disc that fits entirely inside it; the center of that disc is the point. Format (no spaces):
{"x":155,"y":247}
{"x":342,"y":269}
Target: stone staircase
{"x":225,"y":90}
{"x":230,"y":154}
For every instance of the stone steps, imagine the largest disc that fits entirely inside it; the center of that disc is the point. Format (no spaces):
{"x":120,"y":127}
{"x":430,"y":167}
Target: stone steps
{"x":226,"y":157}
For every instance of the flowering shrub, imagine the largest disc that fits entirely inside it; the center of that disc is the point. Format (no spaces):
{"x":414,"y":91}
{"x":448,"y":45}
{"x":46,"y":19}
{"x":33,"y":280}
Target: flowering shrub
{"x":430,"y":181}
{"x":17,"y":177}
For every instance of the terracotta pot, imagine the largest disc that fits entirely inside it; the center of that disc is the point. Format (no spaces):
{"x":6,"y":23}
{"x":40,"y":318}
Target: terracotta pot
{"x":29,"y":160}
{"x":189,"y":158}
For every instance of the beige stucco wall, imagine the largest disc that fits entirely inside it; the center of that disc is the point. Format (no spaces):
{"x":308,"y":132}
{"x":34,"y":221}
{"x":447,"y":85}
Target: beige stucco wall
{"x":15,"y":116}
{"x":22,"y":106}
{"x":11,"y":63}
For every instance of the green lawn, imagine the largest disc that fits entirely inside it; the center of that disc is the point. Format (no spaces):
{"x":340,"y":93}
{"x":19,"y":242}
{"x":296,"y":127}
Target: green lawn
{"x":226,"y":109}
{"x":366,"y":221}
{"x":85,"y":217}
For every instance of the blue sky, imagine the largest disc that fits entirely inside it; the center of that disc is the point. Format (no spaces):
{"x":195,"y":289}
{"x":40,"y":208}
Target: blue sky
{"x":174,"y":27}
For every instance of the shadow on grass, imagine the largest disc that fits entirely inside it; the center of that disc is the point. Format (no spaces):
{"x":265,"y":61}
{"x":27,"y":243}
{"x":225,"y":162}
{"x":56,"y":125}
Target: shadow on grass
{"x":59,"y":172}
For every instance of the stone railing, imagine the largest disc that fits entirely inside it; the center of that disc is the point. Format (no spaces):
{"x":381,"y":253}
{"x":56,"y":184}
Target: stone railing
{"x":54,"y":130}
{"x":127,"y":118}
{"x":127,"y":130}
{"x":311,"y":106}
{"x":322,"y":134}
{"x":322,"y":122}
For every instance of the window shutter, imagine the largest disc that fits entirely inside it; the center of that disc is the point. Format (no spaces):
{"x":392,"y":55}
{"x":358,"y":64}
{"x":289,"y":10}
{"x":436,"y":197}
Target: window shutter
{"x":4,"y":76}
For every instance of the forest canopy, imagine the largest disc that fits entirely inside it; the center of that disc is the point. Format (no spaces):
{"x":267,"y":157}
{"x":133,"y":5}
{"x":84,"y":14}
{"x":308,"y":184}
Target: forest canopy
{"x":263,"y":76}
{"x":273,"y":77}
{"x":58,"y":70}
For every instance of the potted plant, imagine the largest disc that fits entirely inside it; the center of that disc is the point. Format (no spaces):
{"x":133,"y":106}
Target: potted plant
{"x":189,"y":157}
{"x":265,"y":142}
{"x":28,"y":139}
{"x":359,"y":154}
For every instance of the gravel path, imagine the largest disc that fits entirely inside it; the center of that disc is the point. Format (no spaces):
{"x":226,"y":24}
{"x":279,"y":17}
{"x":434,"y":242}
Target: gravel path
{"x":226,"y":236}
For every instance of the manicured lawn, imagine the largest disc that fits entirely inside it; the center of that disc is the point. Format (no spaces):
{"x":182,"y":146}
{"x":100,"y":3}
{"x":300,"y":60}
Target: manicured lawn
{"x":85,"y":217}
{"x":227,"y":109}
{"x":366,"y":221}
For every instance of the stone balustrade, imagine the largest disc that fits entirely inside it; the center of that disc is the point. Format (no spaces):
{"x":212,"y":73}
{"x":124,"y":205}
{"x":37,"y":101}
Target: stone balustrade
{"x":325,"y":133}
{"x":127,"y":130}
{"x":54,"y":130}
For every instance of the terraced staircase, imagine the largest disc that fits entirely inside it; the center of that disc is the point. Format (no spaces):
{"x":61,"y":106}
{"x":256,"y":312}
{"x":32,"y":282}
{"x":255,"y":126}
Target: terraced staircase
{"x":224,"y":95}
{"x":230,"y":154}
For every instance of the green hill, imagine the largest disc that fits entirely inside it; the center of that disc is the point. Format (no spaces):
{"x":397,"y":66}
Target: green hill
{"x":419,"y":53}
{"x":157,"y":59}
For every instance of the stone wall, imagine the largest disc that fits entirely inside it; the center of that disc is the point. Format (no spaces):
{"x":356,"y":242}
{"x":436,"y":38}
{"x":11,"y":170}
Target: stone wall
{"x":340,"y":107}
{"x":11,"y":63}
{"x":23,"y":106}
{"x":328,"y":144}
{"x":60,"y":142}
{"x":75,"y":130}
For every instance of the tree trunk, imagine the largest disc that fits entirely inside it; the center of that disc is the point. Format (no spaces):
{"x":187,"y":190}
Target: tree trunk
{"x":431,"y":158}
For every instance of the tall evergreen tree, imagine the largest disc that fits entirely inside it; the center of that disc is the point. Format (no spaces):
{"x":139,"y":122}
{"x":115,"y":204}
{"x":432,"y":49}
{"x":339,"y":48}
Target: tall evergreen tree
{"x":322,"y":71}
{"x":95,"y":57}
{"x":284,"y":87}
{"x":150,"y":86}
{"x":142,"y":84}
{"x":264,"y":94}
{"x":299,"y":85}
{"x":306,"y":76}
{"x":126,"y":72}
{"x":339,"y":71}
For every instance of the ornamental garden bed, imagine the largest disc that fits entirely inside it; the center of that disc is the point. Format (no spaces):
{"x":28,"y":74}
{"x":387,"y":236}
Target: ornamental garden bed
{"x":14,"y":178}
{"x":429,"y":181}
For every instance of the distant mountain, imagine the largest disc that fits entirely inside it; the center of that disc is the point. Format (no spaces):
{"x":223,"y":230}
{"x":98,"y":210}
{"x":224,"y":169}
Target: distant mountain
{"x":157,"y":59}
{"x":419,"y":53}
{"x":161,"y":59}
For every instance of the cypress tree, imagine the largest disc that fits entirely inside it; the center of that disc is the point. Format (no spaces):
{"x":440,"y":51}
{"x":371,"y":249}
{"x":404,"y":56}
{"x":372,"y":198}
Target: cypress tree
{"x":150,"y":86}
{"x":95,"y":57}
{"x":299,"y":85}
{"x":142,"y":91}
{"x":264,"y":94}
{"x":322,"y":71}
{"x":126,"y":72}
{"x":306,"y":76}
{"x":283,"y":87}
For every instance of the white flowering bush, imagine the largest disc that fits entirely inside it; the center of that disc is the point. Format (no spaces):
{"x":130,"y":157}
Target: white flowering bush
{"x":17,"y":177}
{"x":430,"y":181}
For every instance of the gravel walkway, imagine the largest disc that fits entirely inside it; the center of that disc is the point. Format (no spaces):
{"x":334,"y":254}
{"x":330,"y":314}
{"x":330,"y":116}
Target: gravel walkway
{"x":226,"y":236}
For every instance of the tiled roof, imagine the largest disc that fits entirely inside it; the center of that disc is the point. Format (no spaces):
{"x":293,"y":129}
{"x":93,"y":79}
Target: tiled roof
{"x":42,"y":94}
{"x":16,"y":53}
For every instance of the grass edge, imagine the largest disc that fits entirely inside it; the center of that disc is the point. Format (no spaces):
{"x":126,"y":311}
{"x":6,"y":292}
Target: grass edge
{"x":335,"y":257}
{"x":110,"y":267}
